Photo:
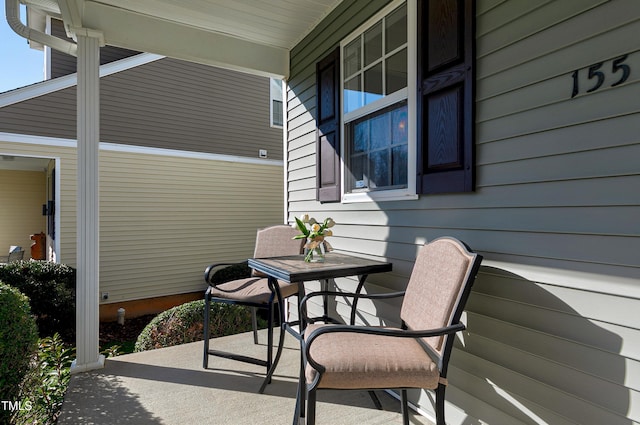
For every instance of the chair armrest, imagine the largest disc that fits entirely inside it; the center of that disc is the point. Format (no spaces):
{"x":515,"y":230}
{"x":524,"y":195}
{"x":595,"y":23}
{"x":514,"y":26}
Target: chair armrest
{"x":376,"y":330}
{"x":224,"y":272}
{"x":303,"y":303}
{"x":372,"y":330}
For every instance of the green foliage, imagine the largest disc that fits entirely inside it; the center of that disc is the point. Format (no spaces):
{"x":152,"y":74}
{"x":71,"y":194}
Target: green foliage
{"x":44,"y":387}
{"x":51,"y":290}
{"x":185,"y":323}
{"x":18,"y":342}
{"x":231,"y":272}
{"x":112,"y":351}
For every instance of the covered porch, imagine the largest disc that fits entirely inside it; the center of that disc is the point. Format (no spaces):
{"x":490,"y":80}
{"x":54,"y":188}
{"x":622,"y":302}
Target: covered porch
{"x":169,"y":386}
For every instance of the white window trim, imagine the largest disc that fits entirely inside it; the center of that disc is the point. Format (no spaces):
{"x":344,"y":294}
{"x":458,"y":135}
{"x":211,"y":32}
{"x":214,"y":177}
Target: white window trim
{"x":408,"y":193}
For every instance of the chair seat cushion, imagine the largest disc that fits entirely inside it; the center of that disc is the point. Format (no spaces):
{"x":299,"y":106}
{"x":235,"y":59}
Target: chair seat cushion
{"x":253,"y":289}
{"x":355,"y":361}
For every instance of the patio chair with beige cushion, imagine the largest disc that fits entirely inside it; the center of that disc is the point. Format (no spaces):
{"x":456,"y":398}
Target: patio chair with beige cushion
{"x":413,"y":356}
{"x":254,"y":291}
{"x":16,"y":253}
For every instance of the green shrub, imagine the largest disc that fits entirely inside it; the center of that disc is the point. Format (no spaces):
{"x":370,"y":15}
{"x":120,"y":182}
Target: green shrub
{"x":185,"y":323}
{"x":18,"y":342}
{"x":232,"y":272}
{"x":51,"y":290}
{"x":47,"y":382}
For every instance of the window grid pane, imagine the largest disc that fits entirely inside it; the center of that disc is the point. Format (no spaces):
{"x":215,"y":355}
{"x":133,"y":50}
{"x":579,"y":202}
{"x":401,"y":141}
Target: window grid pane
{"x":353,"y":94}
{"x":396,"y":72}
{"x":377,"y":148}
{"x":373,"y":44}
{"x":352,"y":56}
{"x":396,"y":29}
{"x":373,"y":89}
{"x":277,"y":113}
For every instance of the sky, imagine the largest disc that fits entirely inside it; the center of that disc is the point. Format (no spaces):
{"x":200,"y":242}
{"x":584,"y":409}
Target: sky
{"x":20,"y":65}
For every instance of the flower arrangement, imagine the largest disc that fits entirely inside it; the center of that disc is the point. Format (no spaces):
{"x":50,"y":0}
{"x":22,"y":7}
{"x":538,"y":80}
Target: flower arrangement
{"x":315,"y":232}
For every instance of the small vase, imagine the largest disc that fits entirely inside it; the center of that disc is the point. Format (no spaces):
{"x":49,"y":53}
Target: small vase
{"x":316,"y":253}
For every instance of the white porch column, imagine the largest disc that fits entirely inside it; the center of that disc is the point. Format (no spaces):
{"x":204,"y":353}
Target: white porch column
{"x":88,"y":237}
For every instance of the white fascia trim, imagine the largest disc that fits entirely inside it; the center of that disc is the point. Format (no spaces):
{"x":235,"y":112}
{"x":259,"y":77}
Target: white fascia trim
{"x":37,"y":140}
{"x":115,"y":147}
{"x":50,"y":86}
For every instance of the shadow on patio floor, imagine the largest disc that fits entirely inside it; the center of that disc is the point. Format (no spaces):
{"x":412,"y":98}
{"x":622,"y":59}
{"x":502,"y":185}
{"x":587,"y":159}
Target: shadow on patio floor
{"x":169,"y":386}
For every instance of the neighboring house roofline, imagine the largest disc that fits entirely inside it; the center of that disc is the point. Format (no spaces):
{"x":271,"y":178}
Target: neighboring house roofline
{"x":49,"y":86}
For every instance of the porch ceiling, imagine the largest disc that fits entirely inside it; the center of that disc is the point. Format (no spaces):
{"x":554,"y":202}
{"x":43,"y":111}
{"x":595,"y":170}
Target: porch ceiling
{"x":247,"y":35}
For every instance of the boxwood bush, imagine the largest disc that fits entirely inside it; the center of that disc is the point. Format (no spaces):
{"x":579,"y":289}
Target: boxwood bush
{"x":185,"y":323}
{"x":18,"y":343}
{"x":51,"y":290}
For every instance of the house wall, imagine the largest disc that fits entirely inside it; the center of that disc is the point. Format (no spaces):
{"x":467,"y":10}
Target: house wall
{"x":181,"y":182}
{"x":164,"y":215}
{"x":552,"y":325}
{"x":165,"y":218}
{"x":22,"y":194}
{"x":164,"y":104}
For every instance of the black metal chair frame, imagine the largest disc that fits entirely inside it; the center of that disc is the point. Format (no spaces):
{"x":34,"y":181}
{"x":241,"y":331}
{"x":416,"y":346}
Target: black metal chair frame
{"x":270,"y":307}
{"x":275,"y":300}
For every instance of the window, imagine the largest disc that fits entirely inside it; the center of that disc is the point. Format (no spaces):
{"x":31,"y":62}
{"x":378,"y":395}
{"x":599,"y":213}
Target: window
{"x":395,"y":105}
{"x":276,"y":113}
{"x":276,"y":106}
{"x":378,"y":108}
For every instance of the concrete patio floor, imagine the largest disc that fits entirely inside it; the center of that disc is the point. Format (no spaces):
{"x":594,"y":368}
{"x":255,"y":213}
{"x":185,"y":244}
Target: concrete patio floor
{"x":169,"y":386}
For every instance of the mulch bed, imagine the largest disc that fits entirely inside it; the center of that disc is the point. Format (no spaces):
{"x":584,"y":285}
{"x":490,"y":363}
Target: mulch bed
{"x":114,"y":333}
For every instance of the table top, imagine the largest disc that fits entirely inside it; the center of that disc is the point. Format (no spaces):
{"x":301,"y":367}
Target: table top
{"x":293,"y":268}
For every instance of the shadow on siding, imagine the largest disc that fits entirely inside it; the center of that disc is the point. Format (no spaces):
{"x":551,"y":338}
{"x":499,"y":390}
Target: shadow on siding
{"x":528,"y":354}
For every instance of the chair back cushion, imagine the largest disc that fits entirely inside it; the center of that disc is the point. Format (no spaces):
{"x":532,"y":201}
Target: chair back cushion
{"x":442,"y":270}
{"x":276,"y":241}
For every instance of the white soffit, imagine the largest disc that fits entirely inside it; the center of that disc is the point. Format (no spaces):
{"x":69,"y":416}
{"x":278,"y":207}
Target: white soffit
{"x":247,"y":35}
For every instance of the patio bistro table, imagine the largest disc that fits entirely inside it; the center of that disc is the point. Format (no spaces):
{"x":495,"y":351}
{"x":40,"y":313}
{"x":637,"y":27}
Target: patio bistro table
{"x":293,"y":268}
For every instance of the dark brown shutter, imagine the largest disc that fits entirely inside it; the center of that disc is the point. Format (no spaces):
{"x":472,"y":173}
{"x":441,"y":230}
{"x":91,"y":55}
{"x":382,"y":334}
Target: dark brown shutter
{"x":446,"y":39}
{"x":328,"y":128}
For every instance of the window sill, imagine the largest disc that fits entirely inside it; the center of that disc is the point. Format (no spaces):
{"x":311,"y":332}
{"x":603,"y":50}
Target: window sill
{"x":382,"y":196}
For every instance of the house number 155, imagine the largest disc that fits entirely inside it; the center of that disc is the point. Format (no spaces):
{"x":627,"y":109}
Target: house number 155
{"x":595,"y":72}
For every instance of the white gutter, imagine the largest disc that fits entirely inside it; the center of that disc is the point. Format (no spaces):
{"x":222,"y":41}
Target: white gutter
{"x":12,"y":11}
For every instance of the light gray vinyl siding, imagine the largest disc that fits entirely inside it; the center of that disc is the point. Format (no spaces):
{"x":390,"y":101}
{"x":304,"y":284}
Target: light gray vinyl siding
{"x":553,"y":330}
{"x":164,"y":104}
{"x":64,"y":64}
